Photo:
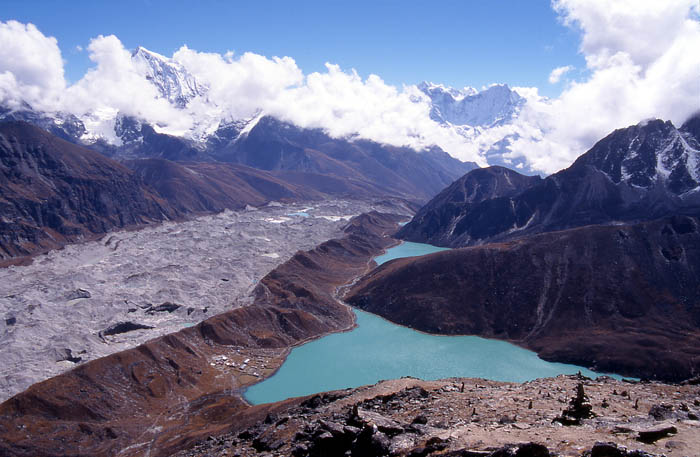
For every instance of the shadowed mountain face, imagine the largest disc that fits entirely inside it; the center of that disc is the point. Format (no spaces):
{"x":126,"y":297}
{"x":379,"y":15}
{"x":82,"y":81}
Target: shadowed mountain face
{"x":642,"y":172}
{"x":615,"y":298}
{"x":52,"y":192}
{"x":435,"y":222}
{"x":205,"y":187}
{"x":274,"y":145}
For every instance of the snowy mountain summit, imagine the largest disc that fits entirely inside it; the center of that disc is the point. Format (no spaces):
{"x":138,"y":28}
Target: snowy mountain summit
{"x":171,"y":79}
{"x":490,"y":107}
{"x":649,"y":154}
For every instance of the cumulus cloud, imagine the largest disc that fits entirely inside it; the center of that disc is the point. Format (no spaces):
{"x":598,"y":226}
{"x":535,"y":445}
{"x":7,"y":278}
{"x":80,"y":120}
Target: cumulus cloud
{"x":643,"y":62}
{"x":31,"y":67}
{"x":642,"y":29}
{"x":557,"y":73}
{"x":340,"y":102}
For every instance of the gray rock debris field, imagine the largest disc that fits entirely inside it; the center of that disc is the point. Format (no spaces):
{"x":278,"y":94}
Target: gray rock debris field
{"x":92,"y":299}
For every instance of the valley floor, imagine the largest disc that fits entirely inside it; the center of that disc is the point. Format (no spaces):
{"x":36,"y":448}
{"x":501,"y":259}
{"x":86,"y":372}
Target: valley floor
{"x":88,"y":300}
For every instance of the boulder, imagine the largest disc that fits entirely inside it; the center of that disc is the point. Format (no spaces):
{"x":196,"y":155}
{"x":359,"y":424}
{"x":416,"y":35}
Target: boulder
{"x":166,"y":307}
{"x":63,"y":354}
{"x":78,"y":293}
{"x":123,"y":327}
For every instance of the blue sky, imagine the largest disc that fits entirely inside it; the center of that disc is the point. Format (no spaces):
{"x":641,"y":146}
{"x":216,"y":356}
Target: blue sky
{"x":599,"y":64}
{"x":457,"y":43}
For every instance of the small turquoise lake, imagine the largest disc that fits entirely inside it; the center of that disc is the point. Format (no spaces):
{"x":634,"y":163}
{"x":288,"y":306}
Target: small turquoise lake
{"x":378,"y":349}
{"x":407,"y":249}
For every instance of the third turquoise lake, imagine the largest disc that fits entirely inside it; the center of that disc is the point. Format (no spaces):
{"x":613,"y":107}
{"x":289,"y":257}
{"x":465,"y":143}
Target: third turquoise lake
{"x":378,"y":349}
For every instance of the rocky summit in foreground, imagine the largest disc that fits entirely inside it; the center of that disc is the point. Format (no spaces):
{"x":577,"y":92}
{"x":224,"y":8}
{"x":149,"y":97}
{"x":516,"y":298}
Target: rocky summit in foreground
{"x":563,"y":416}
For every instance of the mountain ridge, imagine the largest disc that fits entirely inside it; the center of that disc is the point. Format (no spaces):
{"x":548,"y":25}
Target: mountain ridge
{"x":642,"y":172}
{"x":615,"y":298}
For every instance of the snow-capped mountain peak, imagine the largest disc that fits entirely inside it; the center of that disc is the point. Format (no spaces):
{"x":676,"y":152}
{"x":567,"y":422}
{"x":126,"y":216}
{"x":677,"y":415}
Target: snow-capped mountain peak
{"x":650,"y":153}
{"x":171,"y":79}
{"x":440,"y":90}
{"x":468,"y":107}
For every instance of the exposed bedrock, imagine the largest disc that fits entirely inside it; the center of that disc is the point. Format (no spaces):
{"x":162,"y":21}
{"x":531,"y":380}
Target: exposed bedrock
{"x":622,"y":299}
{"x":162,"y":395}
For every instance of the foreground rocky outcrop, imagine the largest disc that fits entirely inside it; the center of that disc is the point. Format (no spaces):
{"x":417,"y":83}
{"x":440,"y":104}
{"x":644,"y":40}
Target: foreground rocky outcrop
{"x":621,"y":299}
{"x":162,"y":395}
{"x":642,"y":172}
{"x":473,"y":418}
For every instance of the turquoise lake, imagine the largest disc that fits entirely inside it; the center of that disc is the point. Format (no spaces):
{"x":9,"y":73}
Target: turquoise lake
{"x":378,"y":349}
{"x":407,"y":249}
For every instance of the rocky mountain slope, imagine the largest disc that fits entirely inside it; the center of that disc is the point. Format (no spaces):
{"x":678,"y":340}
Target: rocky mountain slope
{"x":270,"y":144}
{"x":642,"y":172}
{"x":620,"y":298}
{"x":436,"y":222}
{"x":53,"y":192}
{"x":193,"y":187}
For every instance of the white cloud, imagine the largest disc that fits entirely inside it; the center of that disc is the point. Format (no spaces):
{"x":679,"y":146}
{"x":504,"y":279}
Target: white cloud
{"x":643,"y":29}
{"x":116,"y":84}
{"x":31,"y":67}
{"x":342,"y":103}
{"x":643,"y":62}
{"x":557,"y":73}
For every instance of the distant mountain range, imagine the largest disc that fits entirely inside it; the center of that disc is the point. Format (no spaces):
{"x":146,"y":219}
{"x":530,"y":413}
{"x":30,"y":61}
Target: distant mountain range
{"x":468,"y":112}
{"x":642,"y":172}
